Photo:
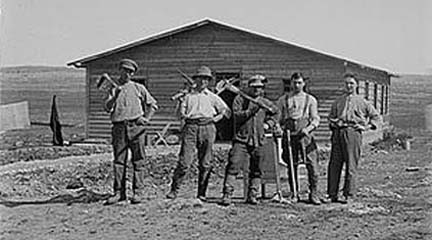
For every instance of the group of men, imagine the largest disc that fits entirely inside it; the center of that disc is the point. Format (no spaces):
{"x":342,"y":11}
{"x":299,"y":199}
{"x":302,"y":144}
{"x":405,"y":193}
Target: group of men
{"x":295,"y":113}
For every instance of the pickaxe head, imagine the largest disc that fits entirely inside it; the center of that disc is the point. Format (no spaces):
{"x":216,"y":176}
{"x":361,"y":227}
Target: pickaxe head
{"x":224,"y":84}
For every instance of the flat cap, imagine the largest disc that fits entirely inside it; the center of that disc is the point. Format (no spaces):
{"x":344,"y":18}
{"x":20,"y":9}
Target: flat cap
{"x":129,"y":64}
{"x":257,"y":81}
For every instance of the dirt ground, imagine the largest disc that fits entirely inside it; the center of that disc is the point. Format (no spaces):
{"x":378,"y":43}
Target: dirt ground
{"x":63,"y":199}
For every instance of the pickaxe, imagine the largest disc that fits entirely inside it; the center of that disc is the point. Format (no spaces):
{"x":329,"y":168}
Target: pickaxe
{"x":227,"y":85}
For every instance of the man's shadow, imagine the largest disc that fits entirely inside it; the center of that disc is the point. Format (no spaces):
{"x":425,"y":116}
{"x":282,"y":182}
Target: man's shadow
{"x":82,"y":196}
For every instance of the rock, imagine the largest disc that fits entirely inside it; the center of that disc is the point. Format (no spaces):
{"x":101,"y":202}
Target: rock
{"x":412,"y":169}
{"x":19,"y":143}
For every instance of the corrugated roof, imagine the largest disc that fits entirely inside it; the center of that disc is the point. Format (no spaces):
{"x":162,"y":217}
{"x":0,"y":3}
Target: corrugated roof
{"x":194,"y":25}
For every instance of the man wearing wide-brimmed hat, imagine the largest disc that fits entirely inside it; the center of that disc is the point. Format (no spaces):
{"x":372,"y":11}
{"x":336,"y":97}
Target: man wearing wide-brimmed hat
{"x":250,"y":124}
{"x":131,"y":106}
{"x":199,"y":110}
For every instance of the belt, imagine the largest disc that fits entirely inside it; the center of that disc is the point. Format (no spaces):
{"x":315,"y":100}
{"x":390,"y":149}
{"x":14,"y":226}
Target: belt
{"x":126,"y":122}
{"x":199,"y":121}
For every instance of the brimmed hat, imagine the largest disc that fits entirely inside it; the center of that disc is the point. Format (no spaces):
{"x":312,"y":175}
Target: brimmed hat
{"x":203,"y":71}
{"x":129,"y":64}
{"x":257,"y":81}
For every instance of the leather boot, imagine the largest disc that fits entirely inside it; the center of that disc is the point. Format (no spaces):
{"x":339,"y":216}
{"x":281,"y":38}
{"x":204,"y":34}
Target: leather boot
{"x":174,"y":189}
{"x":203,"y":179}
{"x":228,"y":189}
{"x":117,"y":197}
{"x":253,"y":191}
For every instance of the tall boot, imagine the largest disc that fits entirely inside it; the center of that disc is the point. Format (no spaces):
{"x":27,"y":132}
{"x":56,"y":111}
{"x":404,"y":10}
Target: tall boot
{"x":313,"y":186}
{"x":203,"y":179}
{"x":228,"y":189}
{"x":253,"y":191}
{"x":175,"y":185}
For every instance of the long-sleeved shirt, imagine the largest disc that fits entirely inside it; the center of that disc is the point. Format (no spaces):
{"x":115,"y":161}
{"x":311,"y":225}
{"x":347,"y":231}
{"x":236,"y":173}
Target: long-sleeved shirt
{"x":204,"y":104}
{"x":249,"y":124}
{"x":130,"y":103}
{"x":292,"y":106}
{"x":353,"y":109}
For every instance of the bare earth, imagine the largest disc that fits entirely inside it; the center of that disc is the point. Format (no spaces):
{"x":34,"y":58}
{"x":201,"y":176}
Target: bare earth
{"x":394,"y":202}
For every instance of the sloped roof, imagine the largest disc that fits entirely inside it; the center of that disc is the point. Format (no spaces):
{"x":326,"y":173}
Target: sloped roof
{"x":81,"y":62}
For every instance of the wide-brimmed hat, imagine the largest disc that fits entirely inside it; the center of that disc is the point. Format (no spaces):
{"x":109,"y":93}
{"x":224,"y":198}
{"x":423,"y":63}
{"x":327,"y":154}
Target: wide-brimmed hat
{"x":129,"y":64}
{"x":257,"y":81}
{"x":203,"y":71}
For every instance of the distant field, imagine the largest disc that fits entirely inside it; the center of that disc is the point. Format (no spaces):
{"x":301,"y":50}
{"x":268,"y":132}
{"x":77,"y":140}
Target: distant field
{"x":410,"y":94}
{"x":37,"y":85}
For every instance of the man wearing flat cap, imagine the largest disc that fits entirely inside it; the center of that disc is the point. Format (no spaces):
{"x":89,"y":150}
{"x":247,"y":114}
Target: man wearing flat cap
{"x":200,"y":110}
{"x":131,"y":106}
{"x":251,"y":121}
{"x":299,"y":115}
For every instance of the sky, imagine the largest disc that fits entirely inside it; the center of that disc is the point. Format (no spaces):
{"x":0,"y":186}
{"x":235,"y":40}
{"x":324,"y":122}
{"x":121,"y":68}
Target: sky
{"x":394,"y":35}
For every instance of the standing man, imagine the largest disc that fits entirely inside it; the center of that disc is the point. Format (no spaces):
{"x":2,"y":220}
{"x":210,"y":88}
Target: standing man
{"x":131,"y":106}
{"x":199,"y":110}
{"x":349,"y":117}
{"x":250,"y":123}
{"x":299,"y":115}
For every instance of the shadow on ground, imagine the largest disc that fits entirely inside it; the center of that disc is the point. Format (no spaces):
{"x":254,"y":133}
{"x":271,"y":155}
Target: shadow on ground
{"x":82,"y":196}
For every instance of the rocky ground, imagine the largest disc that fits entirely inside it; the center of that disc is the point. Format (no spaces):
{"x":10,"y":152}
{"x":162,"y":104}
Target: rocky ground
{"x":62,"y":198}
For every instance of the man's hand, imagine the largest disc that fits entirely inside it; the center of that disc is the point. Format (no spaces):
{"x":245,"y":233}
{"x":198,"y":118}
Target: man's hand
{"x":305,"y":132}
{"x":117,"y":91}
{"x":142,"y":121}
{"x":359,"y":127}
{"x":266,"y":126}
{"x":253,"y":107}
{"x":217,"y":118}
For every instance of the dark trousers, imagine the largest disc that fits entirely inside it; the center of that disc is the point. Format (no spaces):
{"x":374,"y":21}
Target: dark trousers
{"x":128,"y":135}
{"x":304,"y":149}
{"x":239,"y":153}
{"x":346,"y":148}
{"x":198,"y":138}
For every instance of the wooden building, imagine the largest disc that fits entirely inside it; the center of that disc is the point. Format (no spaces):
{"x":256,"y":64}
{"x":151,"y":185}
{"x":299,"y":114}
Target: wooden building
{"x":228,"y":51}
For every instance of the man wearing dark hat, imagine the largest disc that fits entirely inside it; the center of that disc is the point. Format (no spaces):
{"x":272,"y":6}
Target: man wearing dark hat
{"x":299,"y":115}
{"x":200,"y":110}
{"x":131,"y":106}
{"x":350,"y":115}
{"x":250,"y":123}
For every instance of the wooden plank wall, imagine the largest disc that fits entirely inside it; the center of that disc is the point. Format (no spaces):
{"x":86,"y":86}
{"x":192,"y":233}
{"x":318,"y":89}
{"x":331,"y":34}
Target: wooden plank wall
{"x":223,"y":49}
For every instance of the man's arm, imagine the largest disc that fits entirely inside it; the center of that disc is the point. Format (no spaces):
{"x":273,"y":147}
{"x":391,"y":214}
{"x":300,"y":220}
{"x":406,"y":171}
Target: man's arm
{"x":110,"y":99}
{"x":221,"y":107}
{"x":373,"y":115}
{"x":313,"y":115}
{"x":243,"y":114}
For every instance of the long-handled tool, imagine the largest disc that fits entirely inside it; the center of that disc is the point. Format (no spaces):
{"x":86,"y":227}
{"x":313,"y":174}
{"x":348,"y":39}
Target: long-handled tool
{"x":105,"y":83}
{"x":277,"y":150}
{"x":291,"y":165}
{"x":227,"y":85}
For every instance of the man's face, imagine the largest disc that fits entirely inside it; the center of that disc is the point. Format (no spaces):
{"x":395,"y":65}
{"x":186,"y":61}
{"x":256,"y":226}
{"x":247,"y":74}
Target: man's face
{"x":257,"y":91}
{"x":201,"y":82}
{"x":350,"y":84}
{"x":125,"y":74}
{"x":297,"y":84}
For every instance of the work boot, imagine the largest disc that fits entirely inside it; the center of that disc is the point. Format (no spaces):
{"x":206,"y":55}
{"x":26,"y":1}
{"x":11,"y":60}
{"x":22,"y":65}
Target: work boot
{"x":117,"y":197}
{"x":314,"y":199}
{"x":173,"y":192}
{"x":253,"y":191}
{"x":203,"y":179}
{"x":226,"y":199}
{"x":137,"y":198}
